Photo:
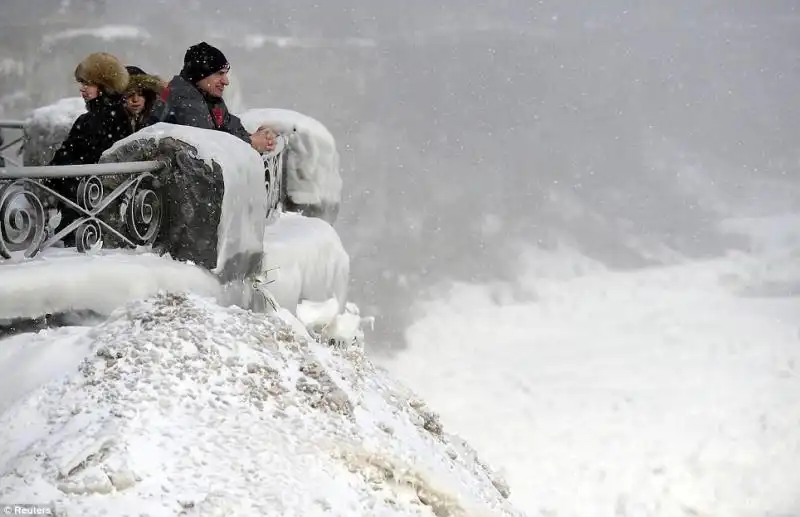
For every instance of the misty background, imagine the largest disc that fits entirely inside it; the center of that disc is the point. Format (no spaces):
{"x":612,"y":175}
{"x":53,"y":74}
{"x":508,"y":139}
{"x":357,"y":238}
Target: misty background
{"x":473,"y":132}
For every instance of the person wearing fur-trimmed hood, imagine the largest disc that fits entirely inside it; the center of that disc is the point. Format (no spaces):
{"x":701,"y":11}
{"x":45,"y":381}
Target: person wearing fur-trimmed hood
{"x":142,"y":91}
{"x":103,"y":80}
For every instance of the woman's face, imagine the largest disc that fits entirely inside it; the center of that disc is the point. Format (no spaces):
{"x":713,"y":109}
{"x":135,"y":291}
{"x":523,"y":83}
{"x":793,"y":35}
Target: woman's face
{"x":135,"y":103}
{"x":89,"y":91}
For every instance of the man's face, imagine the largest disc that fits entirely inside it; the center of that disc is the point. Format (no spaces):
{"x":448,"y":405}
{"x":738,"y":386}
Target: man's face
{"x":215,"y":83}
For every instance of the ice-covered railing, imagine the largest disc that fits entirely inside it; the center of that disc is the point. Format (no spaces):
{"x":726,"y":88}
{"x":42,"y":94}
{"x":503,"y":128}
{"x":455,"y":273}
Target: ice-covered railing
{"x":117,"y":204}
{"x":117,"y":200}
{"x":10,"y":126}
{"x":274,"y":172}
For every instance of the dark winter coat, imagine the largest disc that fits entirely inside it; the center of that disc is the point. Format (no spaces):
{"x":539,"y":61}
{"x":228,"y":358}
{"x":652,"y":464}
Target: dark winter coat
{"x":105,"y":122}
{"x":183,"y":103}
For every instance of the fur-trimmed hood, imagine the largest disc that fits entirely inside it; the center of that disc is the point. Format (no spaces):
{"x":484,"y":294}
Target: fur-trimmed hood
{"x":144,"y":83}
{"x":103,"y":70}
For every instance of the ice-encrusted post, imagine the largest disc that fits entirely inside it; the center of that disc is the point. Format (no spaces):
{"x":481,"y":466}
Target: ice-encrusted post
{"x":312,"y":180}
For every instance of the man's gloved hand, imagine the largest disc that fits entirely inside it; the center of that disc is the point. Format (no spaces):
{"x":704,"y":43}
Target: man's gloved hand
{"x":263,"y":140}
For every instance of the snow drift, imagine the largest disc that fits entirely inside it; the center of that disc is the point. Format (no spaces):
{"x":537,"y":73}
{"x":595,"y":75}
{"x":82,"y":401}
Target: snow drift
{"x":657,"y":393}
{"x":183,"y":407}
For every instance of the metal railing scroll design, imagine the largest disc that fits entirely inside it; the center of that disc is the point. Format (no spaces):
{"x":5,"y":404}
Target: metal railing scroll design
{"x":22,"y":220}
{"x":31,"y":212}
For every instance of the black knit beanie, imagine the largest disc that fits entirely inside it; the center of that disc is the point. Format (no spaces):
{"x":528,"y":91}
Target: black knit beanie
{"x":202,"y":60}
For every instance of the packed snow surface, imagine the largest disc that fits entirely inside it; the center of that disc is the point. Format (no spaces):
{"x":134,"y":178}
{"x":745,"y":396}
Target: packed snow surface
{"x":29,"y":360}
{"x":665,"y":392}
{"x":176,"y":406}
{"x":63,"y":280}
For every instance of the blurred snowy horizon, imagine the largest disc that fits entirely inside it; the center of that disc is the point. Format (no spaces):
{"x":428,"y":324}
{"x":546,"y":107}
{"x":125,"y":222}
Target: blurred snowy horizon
{"x":625,"y":133}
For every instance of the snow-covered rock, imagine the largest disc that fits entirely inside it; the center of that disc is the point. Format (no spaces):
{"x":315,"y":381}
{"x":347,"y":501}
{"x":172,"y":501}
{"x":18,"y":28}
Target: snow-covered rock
{"x":305,"y":260}
{"x":46,"y":127}
{"x":313,"y":182}
{"x":181,"y":407}
{"x":213,"y":193}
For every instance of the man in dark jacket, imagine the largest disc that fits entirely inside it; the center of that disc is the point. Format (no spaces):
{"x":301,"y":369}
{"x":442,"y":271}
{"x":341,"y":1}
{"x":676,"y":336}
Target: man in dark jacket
{"x":194,"y":98}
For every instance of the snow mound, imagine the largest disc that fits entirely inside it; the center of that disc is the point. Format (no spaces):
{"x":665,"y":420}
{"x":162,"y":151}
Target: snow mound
{"x":312,"y":163}
{"x":305,"y":260}
{"x":63,"y":280}
{"x":183,"y":407}
{"x":30,"y":360}
{"x":46,"y":127}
